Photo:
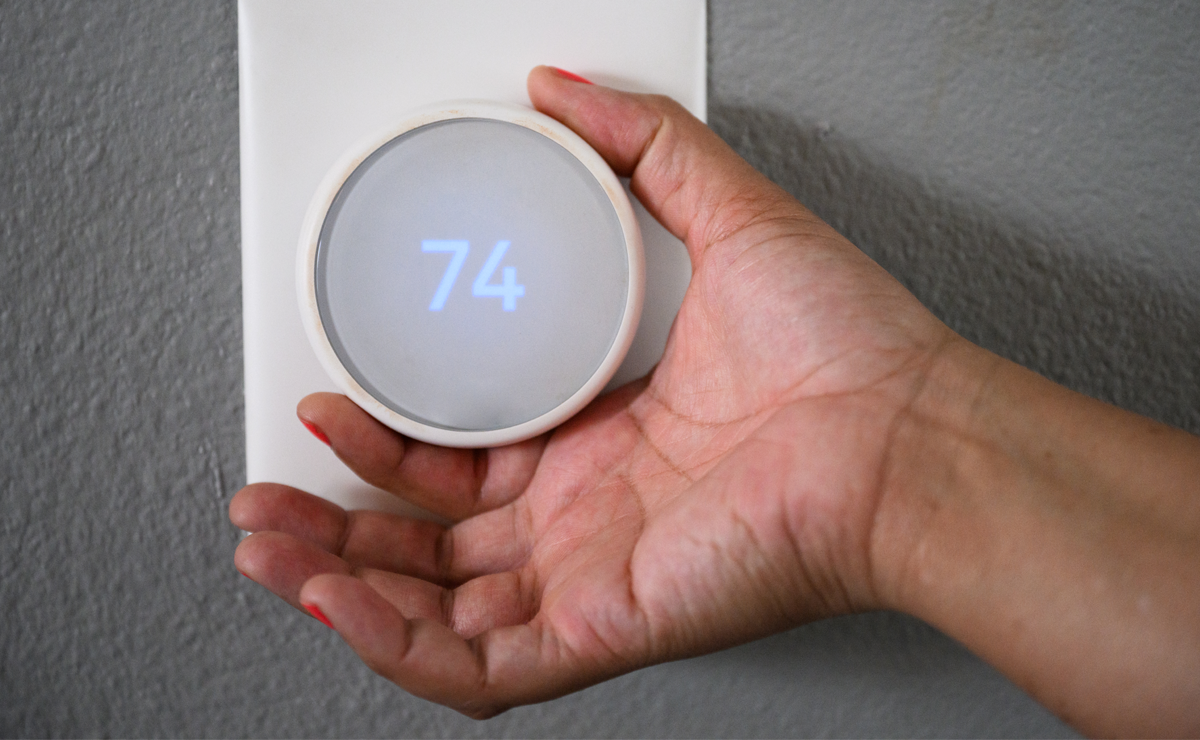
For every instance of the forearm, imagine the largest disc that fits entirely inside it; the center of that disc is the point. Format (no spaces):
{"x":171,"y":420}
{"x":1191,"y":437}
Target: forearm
{"x":1056,"y":536}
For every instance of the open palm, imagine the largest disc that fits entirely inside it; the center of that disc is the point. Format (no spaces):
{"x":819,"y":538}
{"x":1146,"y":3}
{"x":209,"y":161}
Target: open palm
{"x":727,"y":496}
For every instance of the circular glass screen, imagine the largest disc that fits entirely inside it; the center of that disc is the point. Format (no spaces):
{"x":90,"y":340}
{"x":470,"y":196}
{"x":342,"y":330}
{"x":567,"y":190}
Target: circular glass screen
{"x":471,"y":274}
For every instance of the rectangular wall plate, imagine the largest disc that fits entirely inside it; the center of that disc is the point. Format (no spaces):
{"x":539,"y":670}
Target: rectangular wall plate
{"x":317,"y":76}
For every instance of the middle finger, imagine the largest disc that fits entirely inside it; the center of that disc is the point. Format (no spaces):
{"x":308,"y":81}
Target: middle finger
{"x":489,"y":543}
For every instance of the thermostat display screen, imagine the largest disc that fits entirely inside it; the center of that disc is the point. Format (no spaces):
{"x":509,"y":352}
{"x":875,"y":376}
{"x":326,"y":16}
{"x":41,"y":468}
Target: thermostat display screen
{"x":471,"y":274}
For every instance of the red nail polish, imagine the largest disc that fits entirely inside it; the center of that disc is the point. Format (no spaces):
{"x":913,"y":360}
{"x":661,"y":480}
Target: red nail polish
{"x":313,"y":610}
{"x":316,"y":431}
{"x":245,"y":575}
{"x":571,"y":76}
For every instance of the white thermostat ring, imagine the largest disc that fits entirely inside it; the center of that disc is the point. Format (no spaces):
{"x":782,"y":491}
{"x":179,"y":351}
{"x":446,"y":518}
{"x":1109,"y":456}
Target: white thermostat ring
{"x":621,"y":310}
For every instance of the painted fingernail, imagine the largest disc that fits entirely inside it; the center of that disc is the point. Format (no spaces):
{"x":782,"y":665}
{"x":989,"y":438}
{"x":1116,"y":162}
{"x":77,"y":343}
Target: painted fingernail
{"x":313,"y":610}
{"x":571,"y":76}
{"x":316,"y":431}
{"x":245,"y":575}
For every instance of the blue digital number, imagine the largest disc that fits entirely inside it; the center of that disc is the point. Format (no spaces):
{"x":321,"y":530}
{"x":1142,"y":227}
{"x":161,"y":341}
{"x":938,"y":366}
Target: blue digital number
{"x":460,"y":249}
{"x":508,"y":290}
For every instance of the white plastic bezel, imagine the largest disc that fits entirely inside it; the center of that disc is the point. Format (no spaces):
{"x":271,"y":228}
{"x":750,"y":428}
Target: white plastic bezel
{"x":310,"y":234}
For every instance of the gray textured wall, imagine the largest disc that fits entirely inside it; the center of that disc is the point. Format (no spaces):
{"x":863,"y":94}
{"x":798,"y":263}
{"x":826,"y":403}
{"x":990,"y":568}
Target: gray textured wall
{"x":1030,"y":170}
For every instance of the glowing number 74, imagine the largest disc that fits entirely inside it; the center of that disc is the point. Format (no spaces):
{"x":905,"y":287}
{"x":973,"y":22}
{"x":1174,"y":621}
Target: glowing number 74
{"x":482,"y":287}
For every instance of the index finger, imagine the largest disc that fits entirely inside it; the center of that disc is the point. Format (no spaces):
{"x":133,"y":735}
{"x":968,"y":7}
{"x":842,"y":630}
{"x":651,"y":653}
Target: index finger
{"x":452,"y":483}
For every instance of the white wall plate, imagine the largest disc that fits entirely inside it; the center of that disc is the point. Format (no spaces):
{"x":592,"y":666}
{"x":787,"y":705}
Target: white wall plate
{"x":318,"y":76}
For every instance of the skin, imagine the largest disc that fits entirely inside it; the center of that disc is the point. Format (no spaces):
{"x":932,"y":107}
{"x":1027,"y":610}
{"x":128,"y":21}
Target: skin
{"x":814,"y":442}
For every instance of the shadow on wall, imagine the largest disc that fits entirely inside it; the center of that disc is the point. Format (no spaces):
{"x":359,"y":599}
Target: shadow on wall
{"x":1114,"y":331}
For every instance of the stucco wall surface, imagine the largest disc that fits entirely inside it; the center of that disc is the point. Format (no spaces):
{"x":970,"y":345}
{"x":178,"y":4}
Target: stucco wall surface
{"x":1030,"y":170}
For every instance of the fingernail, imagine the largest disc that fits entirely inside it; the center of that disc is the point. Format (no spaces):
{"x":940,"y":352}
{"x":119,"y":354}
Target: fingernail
{"x":313,"y":610}
{"x":316,"y":431}
{"x":571,"y":76}
{"x":245,"y":575}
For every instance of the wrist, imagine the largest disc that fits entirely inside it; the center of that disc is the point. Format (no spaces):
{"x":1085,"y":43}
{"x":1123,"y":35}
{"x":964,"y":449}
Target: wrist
{"x":935,"y":447}
{"x":1050,"y":534}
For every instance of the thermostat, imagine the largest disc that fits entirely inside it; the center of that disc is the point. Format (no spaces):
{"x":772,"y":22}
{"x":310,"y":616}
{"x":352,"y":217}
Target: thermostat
{"x":473,"y":276}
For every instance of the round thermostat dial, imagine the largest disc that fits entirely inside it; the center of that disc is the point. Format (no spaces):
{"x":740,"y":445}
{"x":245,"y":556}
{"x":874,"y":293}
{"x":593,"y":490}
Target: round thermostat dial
{"x":474,"y":276}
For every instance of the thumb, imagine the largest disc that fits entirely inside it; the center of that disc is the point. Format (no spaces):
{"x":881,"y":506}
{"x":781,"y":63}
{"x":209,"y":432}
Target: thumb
{"x":683,"y":173}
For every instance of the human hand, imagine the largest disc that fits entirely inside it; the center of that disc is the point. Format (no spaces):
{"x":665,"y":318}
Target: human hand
{"x":729,"y":495}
